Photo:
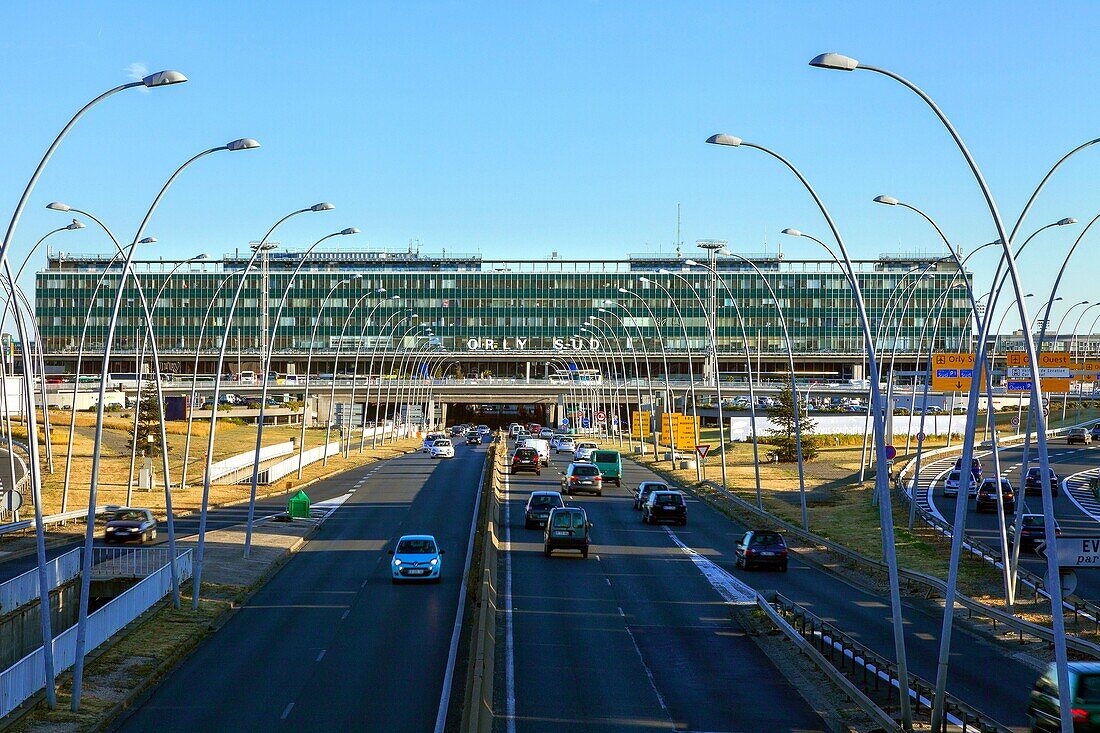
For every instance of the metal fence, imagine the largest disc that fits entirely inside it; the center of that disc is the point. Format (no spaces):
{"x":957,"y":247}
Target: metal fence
{"x":276,"y":471}
{"x":224,"y":470}
{"x":23,"y":589}
{"x":127,"y":562}
{"x":27,"y":676}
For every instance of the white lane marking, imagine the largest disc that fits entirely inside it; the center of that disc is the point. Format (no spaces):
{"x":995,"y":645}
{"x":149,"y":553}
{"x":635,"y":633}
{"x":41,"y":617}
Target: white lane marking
{"x":286,"y":711}
{"x":456,"y":633}
{"x":509,"y":646}
{"x":1080,"y":484}
{"x":345,"y":615}
{"x":731,"y":589}
{"x":648,"y":672}
{"x":322,"y":654}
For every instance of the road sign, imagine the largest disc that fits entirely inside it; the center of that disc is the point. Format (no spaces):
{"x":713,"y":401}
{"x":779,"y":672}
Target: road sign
{"x":1015,"y":422}
{"x":702,"y":450}
{"x":891,"y":452}
{"x":920,"y":437}
{"x":564,"y":422}
{"x":12,"y":501}
{"x":1068,"y":580}
{"x":1085,"y":370}
{"x":1052,"y":381}
{"x":1078,"y":552}
{"x":600,"y":416}
{"x":952,"y":372}
{"x":584,"y":422}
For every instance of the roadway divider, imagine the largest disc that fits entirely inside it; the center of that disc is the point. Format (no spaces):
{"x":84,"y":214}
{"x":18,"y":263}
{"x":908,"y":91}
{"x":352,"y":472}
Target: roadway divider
{"x":227,"y":471}
{"x":477,"y":710}
{"x":276,"y":471}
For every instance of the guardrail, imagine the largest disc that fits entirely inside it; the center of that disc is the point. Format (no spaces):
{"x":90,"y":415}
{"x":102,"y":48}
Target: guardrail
{"x":24,"y":589}
{"x":225,"y":471}
{"x":276,"y":471}
{"x":52,"y":519}
{"x":27,"y":676}
{"x":856,"y":662}
{"x":127,"y":562}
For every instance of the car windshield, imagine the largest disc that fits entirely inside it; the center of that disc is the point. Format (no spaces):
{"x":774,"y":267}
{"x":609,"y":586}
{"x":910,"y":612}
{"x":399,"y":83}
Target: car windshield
{"x":646,"y":488}
{"x":586,"y":471}
{"x":767,"y":538}
{"x":129,"y":515}
{"x":525,"y":453}
{"x":1035,"y":520}
{"x":1036,"y":472}
{"x":1088,"y":689}
{"x":605,"y":456}
{"x":669,"y":499}
{"x":545,"y":500}
{"x":569,"y":520}
{"x":586,"y":446}
{"x":416,"y":547}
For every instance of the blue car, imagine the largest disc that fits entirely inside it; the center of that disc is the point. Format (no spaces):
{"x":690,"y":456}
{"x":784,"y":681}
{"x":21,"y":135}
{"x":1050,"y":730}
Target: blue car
{"x":416,"y":557}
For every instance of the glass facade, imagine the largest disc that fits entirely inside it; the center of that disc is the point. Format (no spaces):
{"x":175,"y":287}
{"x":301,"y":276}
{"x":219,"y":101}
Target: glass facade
{"x":478,"y":307}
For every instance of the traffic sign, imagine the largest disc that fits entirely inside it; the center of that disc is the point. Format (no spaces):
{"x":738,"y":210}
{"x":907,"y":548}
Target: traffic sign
{"x":702,"y":450}
{"x":12,"y":501}
{"x":601,"y":416}
{"x":1015,"y":421}
{"x":564,"y":422}
{"x":584,"y":422}
{"x":1053,"y":371}
{"x":952,"y":372}
{"x":1078,"y":552}
{"x":920,"y":437}
{"x":891,"y":452}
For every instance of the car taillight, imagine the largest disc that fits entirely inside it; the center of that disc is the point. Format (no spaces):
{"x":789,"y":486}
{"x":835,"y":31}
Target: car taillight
{"x":750,"y":551}
{"x":1080,"y":715}
{"x":783,"y":552}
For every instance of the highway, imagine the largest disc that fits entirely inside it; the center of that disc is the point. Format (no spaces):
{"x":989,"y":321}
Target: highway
{"x":643,"y":640}
{"x":329,"y":643}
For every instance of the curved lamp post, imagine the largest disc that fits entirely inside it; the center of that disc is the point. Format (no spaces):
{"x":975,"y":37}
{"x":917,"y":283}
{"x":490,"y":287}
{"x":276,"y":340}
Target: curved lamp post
{"x":335,"y":372}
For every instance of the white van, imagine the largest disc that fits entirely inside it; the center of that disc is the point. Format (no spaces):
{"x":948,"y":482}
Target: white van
{"x":539,"y":444}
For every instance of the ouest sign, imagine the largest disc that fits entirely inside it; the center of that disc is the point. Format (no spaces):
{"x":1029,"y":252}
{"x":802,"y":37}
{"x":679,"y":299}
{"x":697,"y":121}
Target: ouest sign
{"x":526,"y":344}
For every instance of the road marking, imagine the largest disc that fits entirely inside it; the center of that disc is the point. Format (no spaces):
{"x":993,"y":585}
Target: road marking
{"x":509,"y":645}
{"x":641,"y":659}
{"x":322,"y":654}
{"x":731,"y":589}
{"x":286,"y":711}
{"x":345,"y":614}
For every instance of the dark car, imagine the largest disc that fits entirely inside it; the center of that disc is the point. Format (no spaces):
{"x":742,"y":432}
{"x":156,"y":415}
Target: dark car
{"x":762,"y":548}
{"x":567,"y":528}
{"x":1084,"y":681}
{"x":987,"y":496}
{"x":526,"y":459}
{"x":1095,"y":432}
{"x":665,"y":506}
{"x":641,"y":494}
{"x":539,"y":506}
{"x":473,"y":439}
{"x":1032,"y":531}
{"x":975,"y":467}
{"x":1078,"y":435}
{"x":131,"y":524}
{"x":1033,"y":482}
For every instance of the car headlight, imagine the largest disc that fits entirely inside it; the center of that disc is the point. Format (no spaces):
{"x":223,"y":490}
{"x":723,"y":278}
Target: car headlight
{"x":111,"y":529}
{"x":434,"y":561}
{"x":396,"y":561}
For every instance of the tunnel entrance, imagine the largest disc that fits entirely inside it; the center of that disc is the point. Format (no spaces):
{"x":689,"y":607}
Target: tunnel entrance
{"x":496,"y":415}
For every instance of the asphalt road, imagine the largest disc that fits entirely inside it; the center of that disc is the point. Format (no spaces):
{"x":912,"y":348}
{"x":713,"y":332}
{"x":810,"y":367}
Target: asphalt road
{"x":635,"y":637}
{"x":329,"y":643}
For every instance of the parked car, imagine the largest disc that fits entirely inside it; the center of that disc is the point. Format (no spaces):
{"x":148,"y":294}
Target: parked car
{"x":416,"y":557}
{"x":429,"y":440}
{"x":539,"y":506}
{"x":610,"y":464}
{"x":442,"y":448}
{"x":584,"y":451}
{"x":565,"y":444}
{"x":473,"y":439}
{"x":567,"y":528}
{"x":641,"y":494}
{"x":665,"y":506}
{"x":131,"y":524}
{"x":987,"y":496}
{"x":582,"y":477}
{"x":526,"y":459}
{"x":1084,"y":684}
{"x":951,"y":484}
{"x":760,"y":548}
{"x":1033,"y":481}
{"x":1032,"y":531}
{"x":1078,"y":435}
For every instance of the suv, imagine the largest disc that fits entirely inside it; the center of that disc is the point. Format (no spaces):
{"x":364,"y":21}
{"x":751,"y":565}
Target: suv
{"x":539,"y":506}
{"x":665,"y":506}
{"x":1033,"y":481}
{"x":564,"y":444}
{"x":987,"y":496}
{"x":1032,"y":531}
{"x":526,"y":459}
{"x":951,"y":484}
{"x":582,"y":477}
{"x":1084,"y":681}
{"x":759,"y":548}
{"x":641,"y":495}
{"x":567,"y":528}
{"x":1078,"y":435}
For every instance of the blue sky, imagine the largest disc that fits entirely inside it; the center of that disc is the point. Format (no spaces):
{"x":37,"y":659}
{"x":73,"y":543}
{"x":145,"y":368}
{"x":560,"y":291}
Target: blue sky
{"x":516,"y":129}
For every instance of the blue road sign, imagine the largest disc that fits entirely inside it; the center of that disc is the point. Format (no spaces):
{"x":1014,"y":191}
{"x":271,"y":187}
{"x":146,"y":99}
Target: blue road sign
{"x":564,"y":421}
{"x":947,"y":373}
{"x":1019,"y":386}
{"x":584,"y":422}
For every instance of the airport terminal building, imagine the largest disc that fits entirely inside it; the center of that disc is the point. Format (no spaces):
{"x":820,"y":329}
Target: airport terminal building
{"x":507,"y":318}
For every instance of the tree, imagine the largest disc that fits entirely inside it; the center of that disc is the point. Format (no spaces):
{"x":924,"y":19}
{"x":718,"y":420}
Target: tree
{"x":783,"y":434}
{"x":148,"y":426}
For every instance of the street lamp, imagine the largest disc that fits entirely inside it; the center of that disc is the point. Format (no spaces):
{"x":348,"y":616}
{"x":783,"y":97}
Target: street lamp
{"x":670,"y":396}
{"x":379,"y":416}
{"x":355,"y":375}
{"x":649,"y":374}
{"x":626,"y":382}
{"x":335,"y":366}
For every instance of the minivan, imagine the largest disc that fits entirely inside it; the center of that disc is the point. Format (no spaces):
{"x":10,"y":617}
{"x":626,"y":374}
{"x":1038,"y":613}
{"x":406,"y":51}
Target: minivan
{"x":1084,"y":681}
{"x":542,"y":446}
{"x":567,"y":528}
{"x":610,"y":464}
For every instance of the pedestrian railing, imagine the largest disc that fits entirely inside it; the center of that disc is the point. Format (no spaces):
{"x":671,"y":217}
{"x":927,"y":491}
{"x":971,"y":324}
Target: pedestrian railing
{"x":276,"y":471}
{"x":230,"y":470}
{"x":127,"y":562}
{"x":23,"y":589}
{"x":27,"y":676}
{"x":26,"y":524}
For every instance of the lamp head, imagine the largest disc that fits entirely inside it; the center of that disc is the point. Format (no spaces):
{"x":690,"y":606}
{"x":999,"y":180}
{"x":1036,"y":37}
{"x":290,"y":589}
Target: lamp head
{"x":148,"y":240}
{"x":624,"y":290}
{"x":200,"y":257}
{"x":163,"y":79}
{"x":888,"y":200}
{"x":1065,"y":222}
{"x":602,"y":310}
{"x":835,"y":61}
{"x":77,"y":224}
{"x":58,"y":206}
{"x":644,"y":279}
{"x":396,"y":297}
{"x":244,"y":143}
{"x":691,"y":263}
{"x":380,"y":291}
{"x":791,"y":232}
{"x":349,"y":230}
{"x":724,"y":139}
{"x":355,"y":277}
{"x":663,"y":271}
{"x":323,"y":206}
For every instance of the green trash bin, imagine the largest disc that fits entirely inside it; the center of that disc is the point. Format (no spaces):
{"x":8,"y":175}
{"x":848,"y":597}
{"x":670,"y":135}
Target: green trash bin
{"x":298,"y":506}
